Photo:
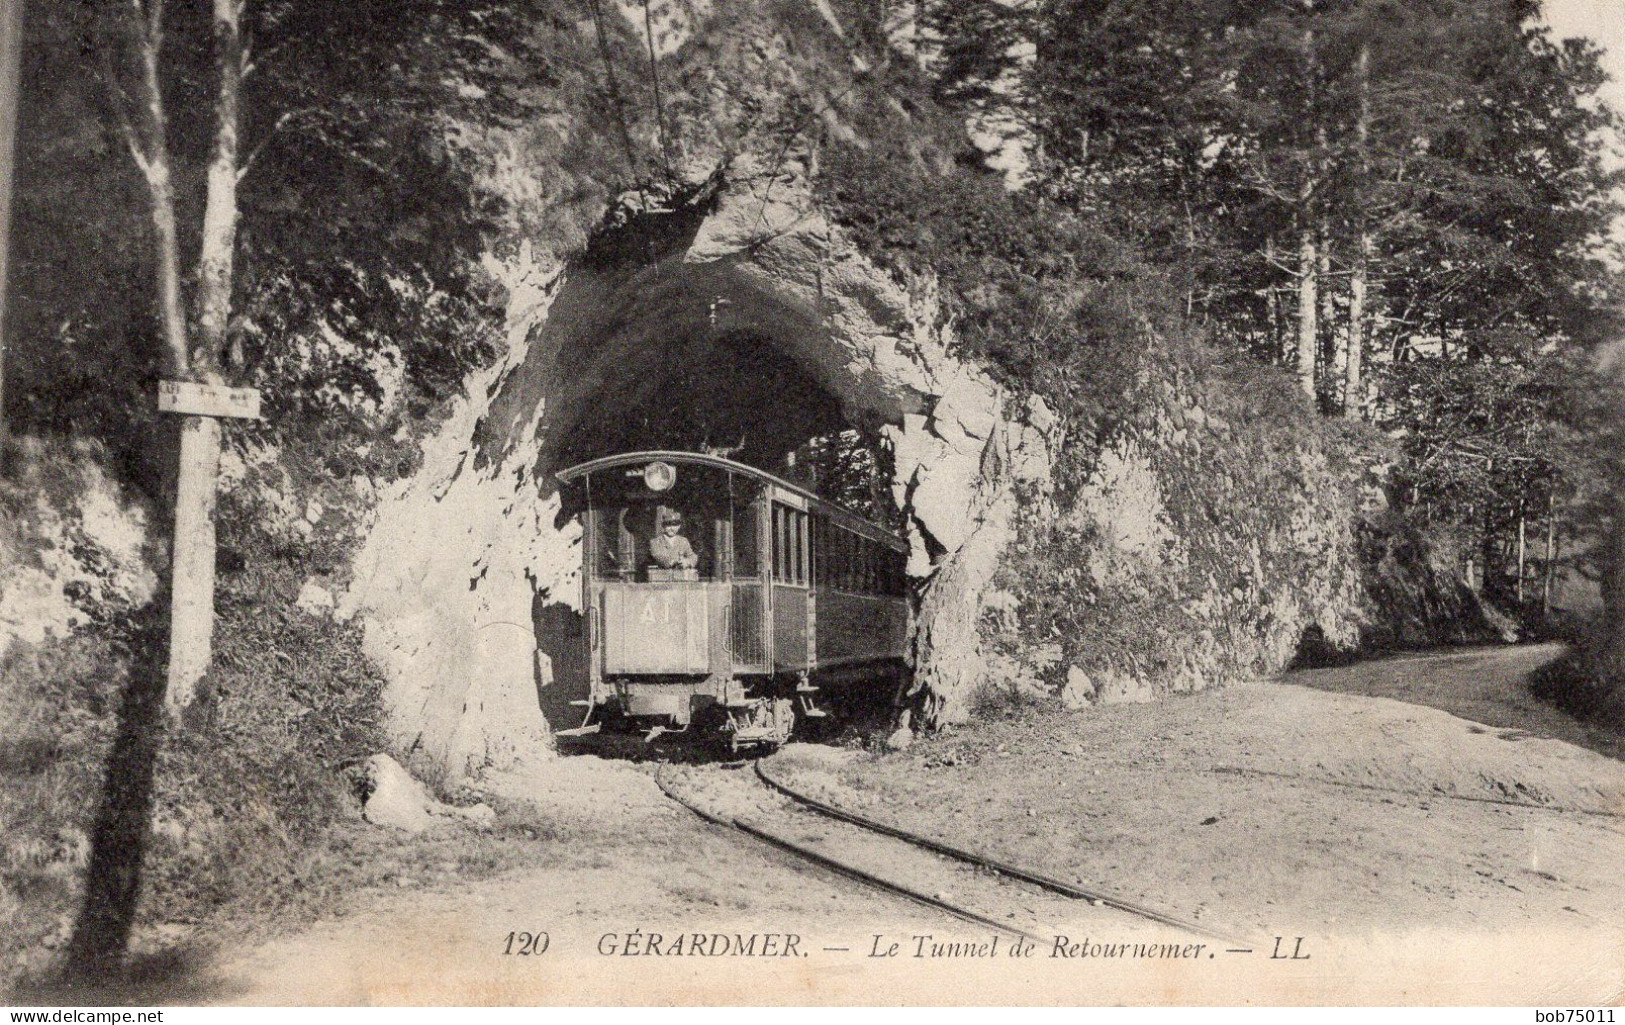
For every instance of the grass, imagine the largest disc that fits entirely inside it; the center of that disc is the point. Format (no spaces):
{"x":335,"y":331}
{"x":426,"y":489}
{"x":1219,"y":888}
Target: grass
{"x":252,"y":819}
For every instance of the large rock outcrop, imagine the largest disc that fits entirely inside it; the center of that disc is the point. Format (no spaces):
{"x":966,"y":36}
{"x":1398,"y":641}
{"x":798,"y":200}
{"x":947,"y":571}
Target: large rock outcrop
{"x":469,"y":582}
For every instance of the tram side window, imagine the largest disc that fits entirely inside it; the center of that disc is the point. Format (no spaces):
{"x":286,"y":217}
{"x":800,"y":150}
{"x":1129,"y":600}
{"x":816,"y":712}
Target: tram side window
{"x":789,"y":545}
{"x":745,"y":540}
{"x":798,"y":537}
{"x":843,"y":560}
{"x":820,"y":551}
{"x":780,"y":548}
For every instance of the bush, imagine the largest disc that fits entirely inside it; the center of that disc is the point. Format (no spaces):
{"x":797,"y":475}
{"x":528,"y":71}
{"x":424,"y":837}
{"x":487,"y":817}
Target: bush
{"x":1587,"y":681}
{"x":246,"y":791}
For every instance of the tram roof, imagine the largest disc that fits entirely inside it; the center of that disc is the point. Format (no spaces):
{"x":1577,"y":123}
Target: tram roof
{"x":864,"y":526}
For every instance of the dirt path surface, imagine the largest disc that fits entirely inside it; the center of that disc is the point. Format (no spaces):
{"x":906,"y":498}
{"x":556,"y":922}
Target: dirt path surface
{"x":1420,"y":856}
{"x":1482,"y":684}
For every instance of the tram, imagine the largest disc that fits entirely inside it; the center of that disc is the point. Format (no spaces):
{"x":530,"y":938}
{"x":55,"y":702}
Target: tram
{"x":720,"y":597}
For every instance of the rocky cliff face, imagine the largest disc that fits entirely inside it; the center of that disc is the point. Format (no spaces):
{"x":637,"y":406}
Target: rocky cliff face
{"x":469,"y":581}
{"x":1199,"y":546}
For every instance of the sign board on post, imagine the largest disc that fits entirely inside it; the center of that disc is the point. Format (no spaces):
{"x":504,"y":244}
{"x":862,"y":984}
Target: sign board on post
{"x":208,"y":400}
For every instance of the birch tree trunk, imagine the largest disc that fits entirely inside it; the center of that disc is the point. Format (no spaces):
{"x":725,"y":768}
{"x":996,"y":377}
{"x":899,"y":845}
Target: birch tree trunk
{"x":149,"y":147}
{"x":192,"y":603}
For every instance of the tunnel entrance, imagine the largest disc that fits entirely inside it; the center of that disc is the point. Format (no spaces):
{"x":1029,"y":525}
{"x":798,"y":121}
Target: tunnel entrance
{"x":744,"y":322}
{"x":673,"y":355}
{"x":733,"y":394}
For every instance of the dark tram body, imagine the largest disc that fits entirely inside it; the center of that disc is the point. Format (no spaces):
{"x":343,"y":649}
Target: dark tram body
{"x":762,"y":596}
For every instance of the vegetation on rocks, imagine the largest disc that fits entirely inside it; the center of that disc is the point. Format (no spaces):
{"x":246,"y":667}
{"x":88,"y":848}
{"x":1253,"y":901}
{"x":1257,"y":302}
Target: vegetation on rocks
{"x":1309,"y":358}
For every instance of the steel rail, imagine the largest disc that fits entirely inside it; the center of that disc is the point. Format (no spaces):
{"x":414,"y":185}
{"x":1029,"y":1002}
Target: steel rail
{"x":842,"y":868}
{"x":983,"y":861}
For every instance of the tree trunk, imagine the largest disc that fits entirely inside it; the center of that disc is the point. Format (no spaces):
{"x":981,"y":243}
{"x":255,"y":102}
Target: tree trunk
{"x":1308,"y":307}
{"x":192,"y":603}
{"x":219,"y":237}
{"x":191,"y":586}
{"x":1327,"y":325}
{"x":1278,"y":345}
{"x":1354,"y":364}
{"x":1550,"y":572}
{"x":1523,"y":549}
{"x":1613,"y":553}
{"x":1612,"y":653}
{"x":11,"y":47}
{"x":152,"y":154}
{"x":1308,"y":250}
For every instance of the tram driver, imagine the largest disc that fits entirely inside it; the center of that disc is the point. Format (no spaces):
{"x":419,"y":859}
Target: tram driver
{"x":669,"y":548}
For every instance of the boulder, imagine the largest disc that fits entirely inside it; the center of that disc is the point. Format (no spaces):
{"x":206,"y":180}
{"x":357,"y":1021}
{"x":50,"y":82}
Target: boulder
{"x":394,"y":798}
{"x":1079,"y":690}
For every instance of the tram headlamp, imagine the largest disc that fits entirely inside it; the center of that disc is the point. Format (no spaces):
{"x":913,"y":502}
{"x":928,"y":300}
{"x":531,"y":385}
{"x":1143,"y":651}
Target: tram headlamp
{"x":659,"y":476}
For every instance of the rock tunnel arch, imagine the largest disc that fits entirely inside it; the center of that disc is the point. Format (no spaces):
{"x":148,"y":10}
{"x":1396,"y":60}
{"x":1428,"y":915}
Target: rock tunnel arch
{"x":740,"y":318}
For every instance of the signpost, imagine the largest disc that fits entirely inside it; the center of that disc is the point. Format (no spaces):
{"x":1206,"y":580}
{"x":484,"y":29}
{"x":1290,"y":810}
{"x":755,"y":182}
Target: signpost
{"x":191,"y":606}
{"x":208,"y":400}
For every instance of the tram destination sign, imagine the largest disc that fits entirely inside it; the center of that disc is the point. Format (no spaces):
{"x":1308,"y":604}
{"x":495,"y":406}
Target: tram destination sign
{"x":208,"y":400}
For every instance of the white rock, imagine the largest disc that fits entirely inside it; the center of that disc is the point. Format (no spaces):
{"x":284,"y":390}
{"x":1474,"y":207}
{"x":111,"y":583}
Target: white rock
{"x":394,"y":798}
{"x":315,"y":599}
{"x":1079,"y":691}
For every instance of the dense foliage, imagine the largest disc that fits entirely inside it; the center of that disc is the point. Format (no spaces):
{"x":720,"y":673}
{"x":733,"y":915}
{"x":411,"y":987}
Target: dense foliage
{"x":1407,"y":203}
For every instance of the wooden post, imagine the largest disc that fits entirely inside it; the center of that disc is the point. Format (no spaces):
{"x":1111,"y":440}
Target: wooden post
{"x":11,"y":48}
{"x":191,"y":611}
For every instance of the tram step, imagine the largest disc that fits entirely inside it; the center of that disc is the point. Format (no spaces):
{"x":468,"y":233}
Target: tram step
{"x":582,"y":703}
{"x":580,"y":731}
{"x":807,"y":688}
{"x":814,"y":713}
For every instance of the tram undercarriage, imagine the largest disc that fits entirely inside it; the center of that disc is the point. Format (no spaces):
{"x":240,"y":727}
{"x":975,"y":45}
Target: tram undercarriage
{"x":742,"y":712}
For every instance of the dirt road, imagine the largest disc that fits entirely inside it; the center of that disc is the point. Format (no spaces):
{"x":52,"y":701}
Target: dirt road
{"x":1422,"y":857}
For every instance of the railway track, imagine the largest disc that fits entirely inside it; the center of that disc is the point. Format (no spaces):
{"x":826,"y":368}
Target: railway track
{"x":973,"y":888}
